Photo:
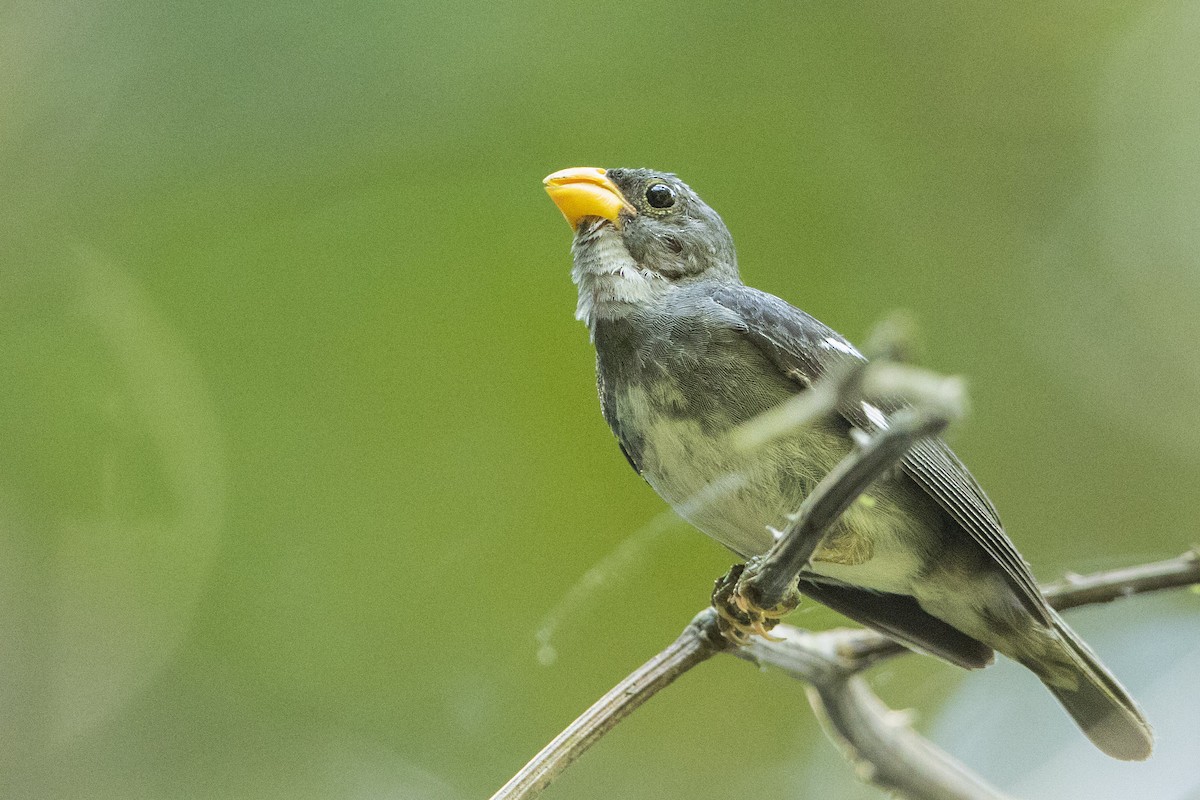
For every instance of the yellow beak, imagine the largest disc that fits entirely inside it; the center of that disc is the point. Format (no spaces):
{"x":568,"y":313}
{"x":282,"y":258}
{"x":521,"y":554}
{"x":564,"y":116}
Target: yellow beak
{"x":586,"y":192}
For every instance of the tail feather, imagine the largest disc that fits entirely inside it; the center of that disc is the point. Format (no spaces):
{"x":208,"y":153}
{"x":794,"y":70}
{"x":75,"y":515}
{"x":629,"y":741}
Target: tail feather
{"x":1098,"y":703}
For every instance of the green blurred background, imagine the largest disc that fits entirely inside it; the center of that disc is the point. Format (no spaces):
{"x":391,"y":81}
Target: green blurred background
{"x":300,"y":441}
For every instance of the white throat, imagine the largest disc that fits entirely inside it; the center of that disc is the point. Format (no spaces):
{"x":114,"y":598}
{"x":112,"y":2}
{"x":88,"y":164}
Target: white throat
{"x":611,"y":284}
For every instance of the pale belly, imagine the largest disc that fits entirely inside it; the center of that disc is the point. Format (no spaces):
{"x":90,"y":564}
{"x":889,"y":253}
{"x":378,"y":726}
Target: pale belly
{"x":741,"y":498}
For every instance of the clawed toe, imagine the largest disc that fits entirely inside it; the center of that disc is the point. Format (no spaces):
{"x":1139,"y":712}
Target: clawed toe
{"x":739,"y":617}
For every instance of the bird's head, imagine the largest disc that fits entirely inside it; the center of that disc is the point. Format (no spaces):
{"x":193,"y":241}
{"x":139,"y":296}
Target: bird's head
{"x":663,"y":226}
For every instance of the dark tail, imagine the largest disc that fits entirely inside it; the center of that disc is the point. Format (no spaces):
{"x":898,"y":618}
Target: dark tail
{"x":1098,"y":703}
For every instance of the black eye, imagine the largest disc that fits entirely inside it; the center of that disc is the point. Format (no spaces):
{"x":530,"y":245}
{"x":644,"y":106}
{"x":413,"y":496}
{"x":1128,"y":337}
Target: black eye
{"x":659,"y":195}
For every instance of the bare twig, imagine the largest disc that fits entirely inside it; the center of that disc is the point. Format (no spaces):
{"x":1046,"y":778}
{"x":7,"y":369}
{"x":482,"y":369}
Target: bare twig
{"x":886,"y":751}
{"x":880,"y":743}
{"x":754,"y":598}
{"x":876,"y":739}
{"x":1104,"y":587}
{"x":698,"y":642}
{"x":884,"y":748}
{"x":863,"y":647}
{"x":767,"y":582}
{"x":801,"y":409}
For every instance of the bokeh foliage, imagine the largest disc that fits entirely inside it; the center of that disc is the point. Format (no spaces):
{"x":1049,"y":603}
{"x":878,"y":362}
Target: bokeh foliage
{"x":300,"y":442}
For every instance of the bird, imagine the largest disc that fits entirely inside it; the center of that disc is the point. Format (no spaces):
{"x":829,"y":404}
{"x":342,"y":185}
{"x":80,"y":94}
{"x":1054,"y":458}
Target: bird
{"x":686,"y":353}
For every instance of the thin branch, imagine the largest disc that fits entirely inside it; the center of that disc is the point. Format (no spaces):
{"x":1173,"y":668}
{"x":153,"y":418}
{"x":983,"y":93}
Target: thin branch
{"x":765,"y":589}
{"x":886,"y":751}
{"x":769,"y":580}
{"x":698,"y":642}
{"x":1104,"y":587}
{"x":863,"y":648}
{"x":878,"y":741}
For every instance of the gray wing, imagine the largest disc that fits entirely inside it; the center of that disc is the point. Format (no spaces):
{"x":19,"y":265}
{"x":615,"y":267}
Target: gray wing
{"x":806,"y":349}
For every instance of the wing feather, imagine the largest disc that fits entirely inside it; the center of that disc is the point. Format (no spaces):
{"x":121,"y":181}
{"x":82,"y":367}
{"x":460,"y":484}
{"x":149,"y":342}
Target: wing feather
{"x":797,"y":343}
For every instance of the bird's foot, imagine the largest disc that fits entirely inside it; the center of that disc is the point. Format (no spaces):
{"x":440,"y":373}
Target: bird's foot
{"x":739,"y":615}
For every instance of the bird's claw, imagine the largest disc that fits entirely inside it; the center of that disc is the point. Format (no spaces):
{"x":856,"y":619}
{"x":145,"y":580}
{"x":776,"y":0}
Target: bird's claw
{"x":739,"y":617}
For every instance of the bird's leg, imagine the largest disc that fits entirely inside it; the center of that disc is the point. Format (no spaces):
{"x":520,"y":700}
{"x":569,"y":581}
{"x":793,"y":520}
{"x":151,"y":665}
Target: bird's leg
{"x":740,"y":616}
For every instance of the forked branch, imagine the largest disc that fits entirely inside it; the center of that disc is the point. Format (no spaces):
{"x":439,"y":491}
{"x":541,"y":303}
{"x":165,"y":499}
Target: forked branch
{"x":886,"y":750}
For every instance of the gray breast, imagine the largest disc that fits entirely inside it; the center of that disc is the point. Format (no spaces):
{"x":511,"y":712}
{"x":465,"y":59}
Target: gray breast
{"x":673,"y":386}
